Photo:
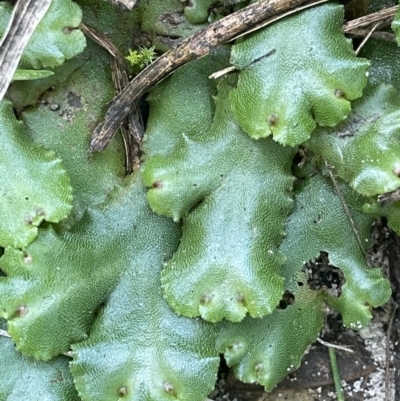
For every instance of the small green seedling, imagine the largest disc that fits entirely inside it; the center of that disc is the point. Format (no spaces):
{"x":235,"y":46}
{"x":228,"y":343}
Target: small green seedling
{"x":139,"y":59}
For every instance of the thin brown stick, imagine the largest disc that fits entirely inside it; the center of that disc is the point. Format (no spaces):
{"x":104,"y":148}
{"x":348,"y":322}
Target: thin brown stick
{"x":24,"y":19}
{"x":380,"y":35}
{"x":389,"y":334}
{"x":132,"y":129}
{"x":219,"y":74}
{"x":101,"y":39}
{"x":198,"y":45}
{"x":345,"y":207}
{"x":370,"y":19}
{"x":365,"y":40}
{"x":389,"y":197}
{"x":119,"y":77}
{"x":3,"y":333}
{"x":277,"y":18}
{"x":339,"y":347}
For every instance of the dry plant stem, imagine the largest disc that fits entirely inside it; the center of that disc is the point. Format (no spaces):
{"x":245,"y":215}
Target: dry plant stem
{"x":335,"y":374}
{"x":118,"y":78}
{"x":363,"y":21}
{"x":370,"y":19}
{"x":132,"y":129}
{"x":389,"y":334}
{"x":389,"y":198}
{"x":341,"y":347}
{"x":219,"y":74}
{"x":345,"y":207}
{"x":25,"y":17}
{"x":101,"y":39}
{"x":365,"y":40}
{"x":3,"y":333}
{"x":198,"y":45}
{"x":385,"y":36}
{"x":279,"y":17}
{"x":119,"y":71}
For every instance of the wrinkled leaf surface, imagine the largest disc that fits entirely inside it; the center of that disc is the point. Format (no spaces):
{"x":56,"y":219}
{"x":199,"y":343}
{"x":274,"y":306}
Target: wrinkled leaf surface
{"x":365,"y":149}
{"x":33,"y":183}
{"x":232,"y":194}
{"x":71,"y":112}
{"x":313,"y":228}
{"x":24,"y":378}
{"x":53,"y":289}
{"x":297,"y":73}
{"x":266,"y":350}
{"x":138,"y":347}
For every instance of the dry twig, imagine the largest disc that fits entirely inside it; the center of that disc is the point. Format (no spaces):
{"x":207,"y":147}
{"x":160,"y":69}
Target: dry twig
{"x":277,"y":18}
{"x":252,"y":17}
{"x":340,"y":347}
{"x":198,"y":45}
{"x":389,"y":197}
{"x":365,"y":40}
{"x":25,"y":17}
{"x":381,"y":35}
{"x":387,"y":13}
{"x":132,"y":129}
{"x":219,"y":74}
{"x":3,"y":333}
{"x":345,"y":207}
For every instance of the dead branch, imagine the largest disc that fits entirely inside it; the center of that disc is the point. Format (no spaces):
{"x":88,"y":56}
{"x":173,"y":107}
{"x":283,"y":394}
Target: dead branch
{"x":132,"y":131}
{"x":379,"y":35}
{"x":365,"y":40}
{"x":198,"y":45}
{"x":24,"y":19}
{"x":389,"y":197}
{"x":382,"y":15}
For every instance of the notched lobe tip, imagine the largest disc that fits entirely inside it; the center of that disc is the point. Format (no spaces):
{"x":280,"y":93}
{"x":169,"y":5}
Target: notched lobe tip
{"x":122,"y":391}
{"x":21,"y":311}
